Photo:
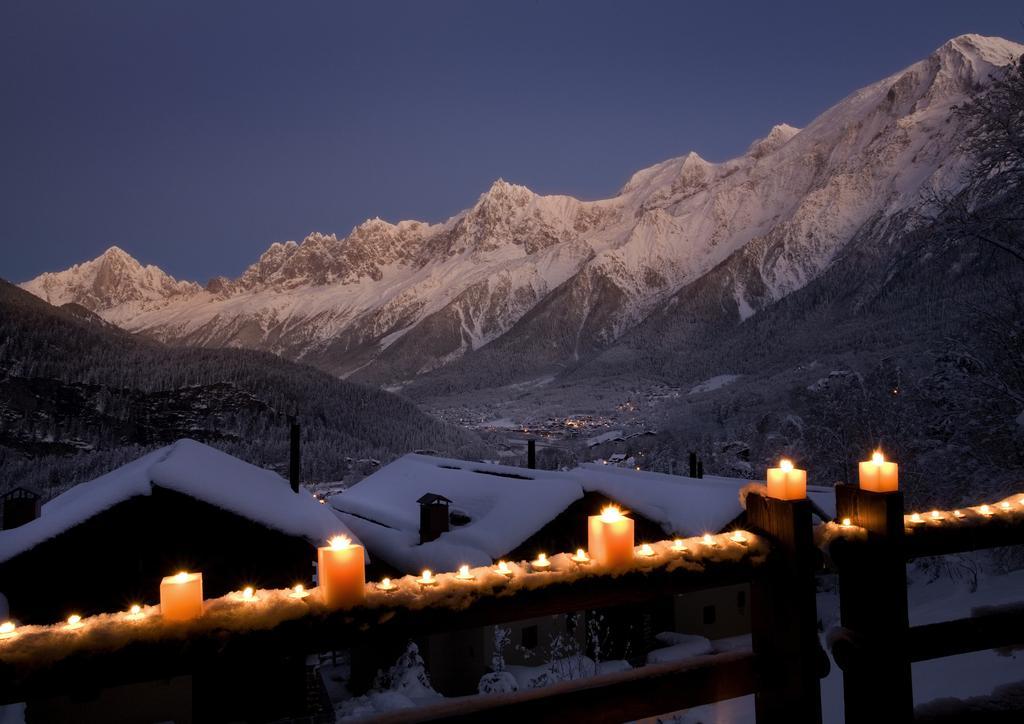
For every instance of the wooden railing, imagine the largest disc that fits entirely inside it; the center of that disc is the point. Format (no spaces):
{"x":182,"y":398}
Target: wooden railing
{"x":877,"y":645}
{"x":242,"y":667}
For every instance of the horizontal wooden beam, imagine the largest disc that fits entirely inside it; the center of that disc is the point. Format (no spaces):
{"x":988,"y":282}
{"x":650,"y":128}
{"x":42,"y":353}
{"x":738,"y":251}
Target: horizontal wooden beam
{"x":612,"y":698}
{"x":37,"y":671}
{"x":928,"y":539}
{"x":990,"y":628}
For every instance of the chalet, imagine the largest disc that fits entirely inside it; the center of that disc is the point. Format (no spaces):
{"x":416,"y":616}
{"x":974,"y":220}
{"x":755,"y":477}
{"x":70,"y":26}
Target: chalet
{"x":496,"y":511}
{"x":105,"y":544}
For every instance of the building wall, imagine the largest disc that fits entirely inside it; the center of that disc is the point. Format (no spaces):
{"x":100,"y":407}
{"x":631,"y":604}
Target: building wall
{"x":456,"y":660}
{"x":118,"y":557}
{"x":715,"y":612}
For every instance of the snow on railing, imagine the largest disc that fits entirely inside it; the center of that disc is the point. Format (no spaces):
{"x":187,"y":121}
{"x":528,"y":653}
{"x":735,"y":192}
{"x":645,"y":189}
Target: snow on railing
{"x":970,"y":518}
{"x":250,"y":609}
{"x":1008,"y":509}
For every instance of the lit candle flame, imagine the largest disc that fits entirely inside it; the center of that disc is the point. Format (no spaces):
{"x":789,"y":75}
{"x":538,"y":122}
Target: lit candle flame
{"x":74,"y":620}
{"x":878,"y":458}
{"x":1005,"y":506}
{"x":611,"y":514}
{"x":427,"y":579}
{"x":646,"y":550}
{"x":247,"y":593}
{"x":786,"y":465}
{"x":298,"y":591}
{"x":916,"y":518}
{"x":542,"y":561}
{"x":678,"y":544}
{"x":464,"y":573}
{"x":985,"y":510}
{"x":182,"y":577}
{"x":340,"y":541}
{"x":738,"y":537}
{"x":386,"y":585}
{"x":958,"y":514}
{"x":581,"y":556}
{"x":847,"y":523}
{"x":7,"y":628}
{"x":709,"y":540}
{"x":135,"y":610}
{"x":503,"y":569}
{"x":936,"y":515}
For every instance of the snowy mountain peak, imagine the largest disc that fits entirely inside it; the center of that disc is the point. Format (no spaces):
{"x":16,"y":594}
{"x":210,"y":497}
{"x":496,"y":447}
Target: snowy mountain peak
{"x":776,"y":138}
{"x":981,"y":49}
{"x":112,"y":279}
{"x":502,"y":192}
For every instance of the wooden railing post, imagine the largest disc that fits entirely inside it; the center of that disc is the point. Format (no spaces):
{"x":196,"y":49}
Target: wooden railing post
{"x":873,"y":609}
{"x":784,"y":618}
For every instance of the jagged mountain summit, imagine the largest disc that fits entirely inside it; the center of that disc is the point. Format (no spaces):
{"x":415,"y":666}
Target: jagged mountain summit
{"x":390,"y":302}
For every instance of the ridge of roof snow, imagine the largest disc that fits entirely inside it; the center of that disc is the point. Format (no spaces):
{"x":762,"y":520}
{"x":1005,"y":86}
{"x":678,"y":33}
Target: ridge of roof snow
{"x":193,"y":469}
{"x":506,"y":505}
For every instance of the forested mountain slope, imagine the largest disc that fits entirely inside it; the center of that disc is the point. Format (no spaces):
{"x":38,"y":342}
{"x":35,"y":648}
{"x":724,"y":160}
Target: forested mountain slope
{"x":78,"y":396}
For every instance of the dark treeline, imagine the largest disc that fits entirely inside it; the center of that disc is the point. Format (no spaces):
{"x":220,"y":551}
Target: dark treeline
{"x":78,"y":397}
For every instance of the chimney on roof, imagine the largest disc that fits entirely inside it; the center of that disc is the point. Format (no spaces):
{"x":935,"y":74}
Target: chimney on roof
{"x":433,"y":516}
{"x":21,"y":505}
{"x":531,"y":454}
{"x":295,"y":459}
{"x":693,"y":464}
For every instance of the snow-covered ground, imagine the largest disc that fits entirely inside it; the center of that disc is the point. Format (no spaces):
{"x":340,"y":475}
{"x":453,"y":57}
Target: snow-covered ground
{"x":959,"y":677}
{"x":713,"y":383}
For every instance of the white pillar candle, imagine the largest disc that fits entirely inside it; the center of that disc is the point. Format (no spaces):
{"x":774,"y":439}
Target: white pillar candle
{"x":787,"y":482}
{"x":181,"y":596}
{"x":878,"y":475}
{"x":341,"y":572}
{"x":610,"y":537}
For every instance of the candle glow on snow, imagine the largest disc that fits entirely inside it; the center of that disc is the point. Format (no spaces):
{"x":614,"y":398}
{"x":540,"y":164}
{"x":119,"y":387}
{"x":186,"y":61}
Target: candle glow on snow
{"x":581,"y":557}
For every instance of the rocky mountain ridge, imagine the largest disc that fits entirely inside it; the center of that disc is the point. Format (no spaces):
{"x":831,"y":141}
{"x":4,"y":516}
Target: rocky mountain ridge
{"x":559,"y":279}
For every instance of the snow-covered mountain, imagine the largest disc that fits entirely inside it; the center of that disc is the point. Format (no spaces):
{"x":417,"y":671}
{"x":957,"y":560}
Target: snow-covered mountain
{"x":390,"y":302}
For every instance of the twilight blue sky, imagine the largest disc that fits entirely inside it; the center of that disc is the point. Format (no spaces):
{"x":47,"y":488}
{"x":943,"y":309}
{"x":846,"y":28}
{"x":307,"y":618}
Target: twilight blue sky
{"x":194,"y":134}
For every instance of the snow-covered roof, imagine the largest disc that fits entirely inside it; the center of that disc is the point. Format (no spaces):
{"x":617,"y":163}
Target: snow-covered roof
{"x":506,"y":505}
{"x":193,"y":469}
{"x":680,"y":505}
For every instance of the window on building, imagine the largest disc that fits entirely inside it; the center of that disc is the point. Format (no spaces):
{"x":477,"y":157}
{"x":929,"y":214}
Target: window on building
{"x":710,"y":615}
{"x":741,"y":600}
{"x":528,"y":637}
